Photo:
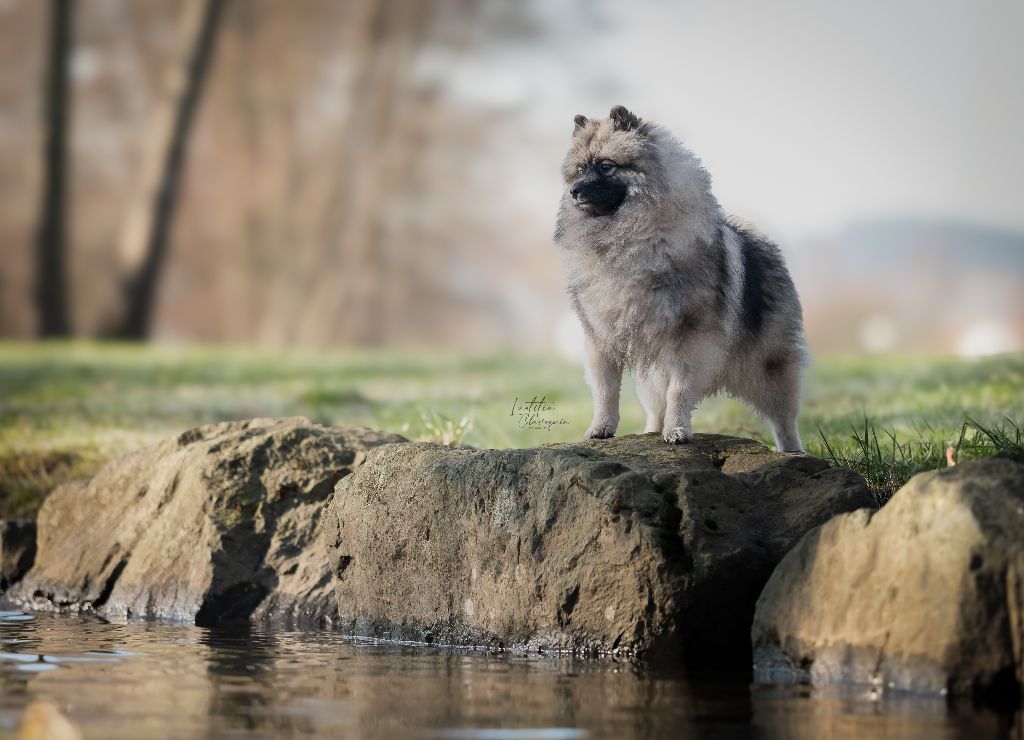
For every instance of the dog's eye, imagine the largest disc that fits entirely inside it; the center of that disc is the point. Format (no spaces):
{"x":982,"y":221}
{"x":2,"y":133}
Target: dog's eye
{"x":581,"y":168}
{"x":607,"y":167}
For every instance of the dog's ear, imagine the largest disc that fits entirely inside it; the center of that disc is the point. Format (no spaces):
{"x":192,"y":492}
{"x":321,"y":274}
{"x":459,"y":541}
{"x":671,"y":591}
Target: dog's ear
{"x":581,"y":121}
{"x":623,"y":120}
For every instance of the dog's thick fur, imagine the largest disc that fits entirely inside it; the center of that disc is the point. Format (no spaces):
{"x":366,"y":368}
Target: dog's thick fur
{"x":668,"y":288}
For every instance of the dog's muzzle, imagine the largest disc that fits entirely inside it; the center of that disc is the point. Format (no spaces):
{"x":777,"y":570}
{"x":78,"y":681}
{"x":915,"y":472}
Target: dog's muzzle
{"x":599,"y":196}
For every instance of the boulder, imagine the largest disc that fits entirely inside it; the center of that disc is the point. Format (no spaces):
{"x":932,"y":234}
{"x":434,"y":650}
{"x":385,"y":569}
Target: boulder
{"x":216,"y":524}
{"x":626,"y":545}
{"x":925,"y":595}
{"x":17,"y":550}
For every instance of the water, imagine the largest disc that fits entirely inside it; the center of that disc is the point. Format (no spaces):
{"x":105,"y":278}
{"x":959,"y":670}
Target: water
{"x":146,"y":679}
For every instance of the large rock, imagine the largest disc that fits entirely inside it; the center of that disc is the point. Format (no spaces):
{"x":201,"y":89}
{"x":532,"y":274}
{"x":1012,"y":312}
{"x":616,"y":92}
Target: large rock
{"x":219,"y":523}
{"x":925,"y":595}
{"x":626,"y":545}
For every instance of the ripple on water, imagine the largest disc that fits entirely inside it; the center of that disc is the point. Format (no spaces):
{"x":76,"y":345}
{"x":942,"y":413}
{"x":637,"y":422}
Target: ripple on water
{"x":8,"y":616}
{"x":501,"y":733}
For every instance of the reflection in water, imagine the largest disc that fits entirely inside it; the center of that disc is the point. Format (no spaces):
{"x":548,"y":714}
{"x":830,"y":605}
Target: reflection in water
{"x":146,"y":679}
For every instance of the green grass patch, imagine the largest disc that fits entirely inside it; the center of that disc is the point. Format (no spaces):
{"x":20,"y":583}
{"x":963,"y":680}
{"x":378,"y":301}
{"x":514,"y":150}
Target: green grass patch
{"x":67,"y":407}
{"x":887,"y":462}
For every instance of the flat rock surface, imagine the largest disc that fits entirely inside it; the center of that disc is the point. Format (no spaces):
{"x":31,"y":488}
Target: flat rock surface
{"x":219,"y":523}
{"x":625,"y":545}
{"x":925,"y":595}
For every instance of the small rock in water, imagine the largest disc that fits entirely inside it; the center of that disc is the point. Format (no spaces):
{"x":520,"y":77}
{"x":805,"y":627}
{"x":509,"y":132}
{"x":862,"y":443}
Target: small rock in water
{"x":44,"y":721}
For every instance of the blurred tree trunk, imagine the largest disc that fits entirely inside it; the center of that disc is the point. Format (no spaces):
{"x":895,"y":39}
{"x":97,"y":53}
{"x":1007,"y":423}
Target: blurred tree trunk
{"x":145,"y":238}
{"x":51,"y":280}
{"x":374,"y":152}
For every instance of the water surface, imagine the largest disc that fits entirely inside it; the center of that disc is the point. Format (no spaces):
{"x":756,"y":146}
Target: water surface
{"x":149,"y":680}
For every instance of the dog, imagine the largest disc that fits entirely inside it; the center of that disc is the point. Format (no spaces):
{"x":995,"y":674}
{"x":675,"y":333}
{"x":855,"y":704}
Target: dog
{"x":667,"y":287}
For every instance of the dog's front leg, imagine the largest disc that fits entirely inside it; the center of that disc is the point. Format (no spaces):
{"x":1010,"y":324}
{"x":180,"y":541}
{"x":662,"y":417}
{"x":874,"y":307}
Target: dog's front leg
{"x":688,"y":384}
{"x":603,"y":374}
{"x":680,"y":402}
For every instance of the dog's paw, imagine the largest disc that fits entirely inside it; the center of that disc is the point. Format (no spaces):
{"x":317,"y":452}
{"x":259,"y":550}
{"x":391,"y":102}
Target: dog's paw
{"x":677,"y":435}
{"x":600,"y":431}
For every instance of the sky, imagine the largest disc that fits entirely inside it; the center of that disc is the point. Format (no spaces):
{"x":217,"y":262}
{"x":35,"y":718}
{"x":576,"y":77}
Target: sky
{"x":809,"y":115}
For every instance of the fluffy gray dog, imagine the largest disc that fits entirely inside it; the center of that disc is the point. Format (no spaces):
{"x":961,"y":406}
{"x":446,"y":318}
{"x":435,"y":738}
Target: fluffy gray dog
{"x":665,"y":286}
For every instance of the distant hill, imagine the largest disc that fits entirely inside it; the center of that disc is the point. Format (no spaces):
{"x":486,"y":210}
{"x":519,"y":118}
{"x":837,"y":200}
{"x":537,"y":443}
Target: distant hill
{"x":910,"y":284}
{"x":893,"y":240}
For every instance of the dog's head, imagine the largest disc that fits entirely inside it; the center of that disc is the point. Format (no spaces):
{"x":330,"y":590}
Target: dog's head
{"x":607,"y":158}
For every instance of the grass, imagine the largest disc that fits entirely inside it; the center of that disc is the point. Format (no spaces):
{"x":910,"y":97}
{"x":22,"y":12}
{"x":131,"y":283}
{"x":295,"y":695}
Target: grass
{"x":888,"y":464}
{"x":65,"y":408}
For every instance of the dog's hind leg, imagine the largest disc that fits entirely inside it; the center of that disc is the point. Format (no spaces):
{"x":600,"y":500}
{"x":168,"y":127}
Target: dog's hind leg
{"x":787,"y":436}
{"x":775,"y":393}
{"x":651,"y":387}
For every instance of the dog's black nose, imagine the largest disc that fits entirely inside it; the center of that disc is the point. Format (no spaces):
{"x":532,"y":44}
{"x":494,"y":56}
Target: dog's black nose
{"x":574,"y":191}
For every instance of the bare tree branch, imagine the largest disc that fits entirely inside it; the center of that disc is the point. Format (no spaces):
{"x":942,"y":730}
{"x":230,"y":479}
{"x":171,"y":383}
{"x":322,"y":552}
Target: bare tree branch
{"x":146,"y":236}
